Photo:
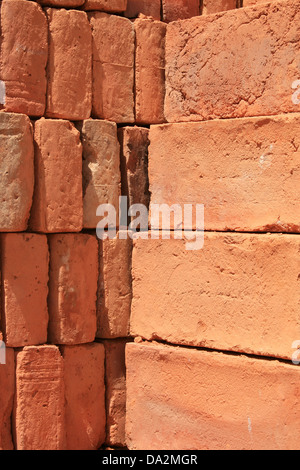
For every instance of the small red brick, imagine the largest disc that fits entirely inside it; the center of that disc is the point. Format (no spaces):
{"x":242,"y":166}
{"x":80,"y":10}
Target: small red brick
{"x":72,"y":288}
{"x":24,"y":266}
{"x":57,"y":205}
{"x":113,"y":67}
{"x":16,"y":171}
{"x":215,"y":6}
{"x":69,"y":70}
{"x":39,"y":422}
{"x":85,"y":396}
{"x":7,"y":381}
{"x":114,"y":6}
{"x":23,"y":58}
{"x":149,"y":71}
{"x":180,"y":9}
{"x":145,"y":7}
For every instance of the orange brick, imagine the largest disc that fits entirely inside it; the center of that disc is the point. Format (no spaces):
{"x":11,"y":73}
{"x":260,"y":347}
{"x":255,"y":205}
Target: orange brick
{"x":16,"y":171}
{"x":85,"y":396}
{"x":149,"y":71}
{"x":62,"y":3}
{"x":69,"y":70}
{"x":115,"y":379}
{"x":243,"y":62}
{"x":190,"y":400}
{"x":144,"y":7}
{"x":24,"y":266}
{"x":180,"y":9}
{"x":72,"y":288}
{"x":101,"y":168}
{"x":113,"y":67}
{"x":23,"y":58}
{"x":7,"y":381}
{"x":245,"y":172}
{"x":39,"y":403}
{"x":114,"y":288}
{"x":239,"y":293}
{"x":115,"y":6}
{"x":57,"y":205}
{"x":215,"y":6}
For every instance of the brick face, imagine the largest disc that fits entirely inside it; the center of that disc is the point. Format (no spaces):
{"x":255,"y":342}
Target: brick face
{"x":7,"y":381}
{"x":144,"y":7}
{"x":215,"y":6}
{"x":179,"y":9}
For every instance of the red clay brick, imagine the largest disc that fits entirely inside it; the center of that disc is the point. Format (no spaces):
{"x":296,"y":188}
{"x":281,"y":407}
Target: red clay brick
{"x":114,"y":288}
{"x":72,"y":288}
{"x":57,"y":205}
{"x":244,"y":171}
{"x":114,"y":6}
{"x":39,"y":403}
{"x":149,"y":71}
{"x":115,"y":380}
{"x":23,"y":58}
{"x":134,"y":164}
{"x":101,"y":168}
{"x":69,"y":68}
{"x":24,"y":266}
{"x":215,"y":6}
{"x":180,"y":9}
{"x":144,"y":7}
{"x":189,"y":399}
{"x":16,"y":171}
{"x":61,"y":3}
{"x":234,"y":64}
{"x":113,"y":67}
{"x":239,"y":293}
{"x":7,"y":381}
{"x":85,"y":396}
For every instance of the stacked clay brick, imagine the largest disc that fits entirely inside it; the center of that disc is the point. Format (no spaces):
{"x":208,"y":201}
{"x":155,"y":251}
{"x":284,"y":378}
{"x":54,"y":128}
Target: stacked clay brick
{"x":85,"y":86}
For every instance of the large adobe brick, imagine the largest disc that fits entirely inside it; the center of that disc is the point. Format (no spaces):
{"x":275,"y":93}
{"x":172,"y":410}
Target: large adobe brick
{"x":39,"y":402}
{"x":240,"y":63}
{"x":7,"y":381}
{"x":144,"y":7}
{"x":114,"y":288}
{"x":114,"y":6}
{"x":69,"y":94}
{"x":134,"y":164}
{"x":85,"y":396}
{"x":72,"y":288}
{"x":242,"y":292}
{"x":16,"y":171}
{"x":101,"y":168}
{"x":245,"y":171}
{"x":24,"y":266}
{"x":113,"y":67}
{"x":115,"y":380}
{"x":215,"y":6}
{"x":57,"y":204}
{"x":180,"y":9}
{"x":23,"y":58}
{"x":149,"y":71}
{"x":189,"y":399}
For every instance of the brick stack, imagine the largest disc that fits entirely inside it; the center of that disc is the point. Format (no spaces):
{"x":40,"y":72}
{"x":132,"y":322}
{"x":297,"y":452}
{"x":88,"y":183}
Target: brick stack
{"x":85,"y":87}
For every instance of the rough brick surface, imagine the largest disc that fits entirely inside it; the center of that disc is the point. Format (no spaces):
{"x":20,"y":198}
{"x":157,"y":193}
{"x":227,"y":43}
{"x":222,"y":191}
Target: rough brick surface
{"x":238,"y":293}
{"x":245,"y":172}
{"x":101,"y":168}
{"x":62,"y":3}
{"x":215,"y":6}
{"x":113,"y":67}
{"x":7,"y":381}
{"x":72,"y":288}
{"x":234,"y":64}
{"x":57,"y":205}
{"x":115,"y":380}
{"x":16,"y":171}
{"x":149,"y":71}
{"x":24,"y":267}
{"x":23,"y":57}
{"x":180,"y":9}
{"x":114,"y":288}
{"x":69,"y":69}
{"x":144,"y":7}
{"x":188,"y":399}
{"x":85,"y":396}
{"x":134,"y":164}
{"x":39,"y":402}
{"x":115,"y":6}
